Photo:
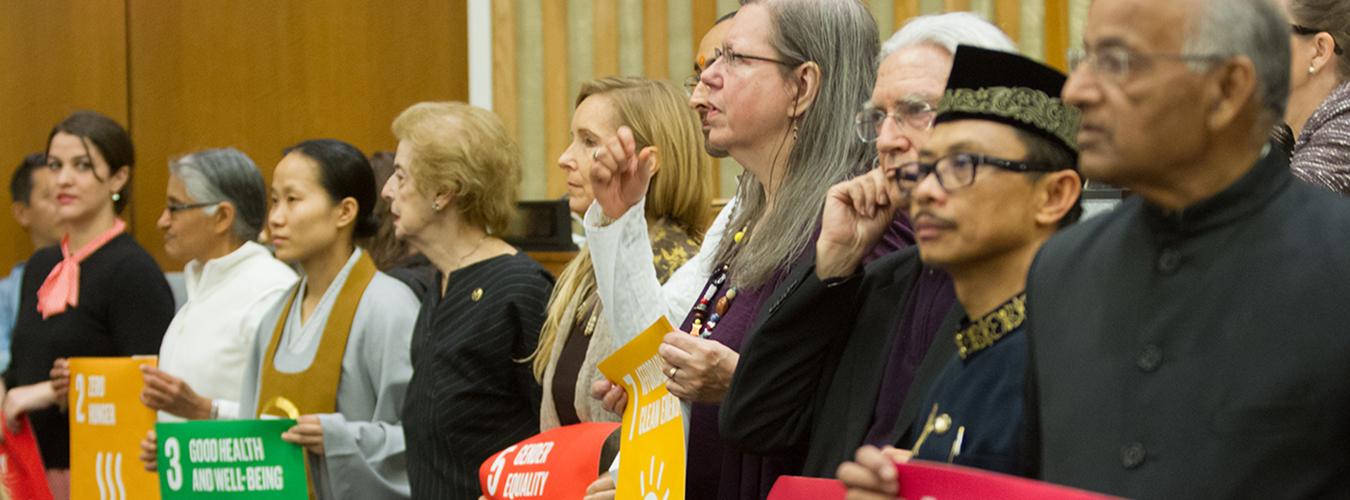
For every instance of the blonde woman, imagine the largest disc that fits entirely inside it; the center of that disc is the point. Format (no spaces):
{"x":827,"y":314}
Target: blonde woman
{"x":575,"y":336}
{"x":453,"y":191}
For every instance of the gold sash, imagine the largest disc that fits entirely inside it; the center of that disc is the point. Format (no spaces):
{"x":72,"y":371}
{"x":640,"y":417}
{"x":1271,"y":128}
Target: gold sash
{"x":314,"y":389}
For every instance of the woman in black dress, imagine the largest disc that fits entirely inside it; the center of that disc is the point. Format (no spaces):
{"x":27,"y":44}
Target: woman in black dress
{"x":98,"y":293}
{"x":455,"y":182}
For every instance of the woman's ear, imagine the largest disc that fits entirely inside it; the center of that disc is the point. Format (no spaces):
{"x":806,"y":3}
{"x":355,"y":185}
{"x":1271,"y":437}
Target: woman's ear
{"x":347,"y":209}
{"x":808,"y":87}
{"x":656,"y":159}
{"x":443,"y":200}
{"x":1324,"y":52}
{"x":118,"y":180}
{"x":223,"y":218}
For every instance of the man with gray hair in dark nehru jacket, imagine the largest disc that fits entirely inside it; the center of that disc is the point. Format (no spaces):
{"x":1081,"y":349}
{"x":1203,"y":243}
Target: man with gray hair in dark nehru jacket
{"x":1189,"y":344}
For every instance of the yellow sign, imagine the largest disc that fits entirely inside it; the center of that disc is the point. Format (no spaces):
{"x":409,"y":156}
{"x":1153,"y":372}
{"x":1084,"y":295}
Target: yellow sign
{"x":107,"y":423}
{"x":652,"y":446}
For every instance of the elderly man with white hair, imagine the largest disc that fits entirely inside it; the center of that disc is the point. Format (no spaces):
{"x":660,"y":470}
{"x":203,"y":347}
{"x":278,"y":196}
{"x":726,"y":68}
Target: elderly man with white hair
{"x":828,"y":373}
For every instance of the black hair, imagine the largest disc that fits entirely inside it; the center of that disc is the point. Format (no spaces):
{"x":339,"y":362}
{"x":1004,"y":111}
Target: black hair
{"x":726,"y":16}
{"x":1043,"y":152}
{"x":21,"y":183}
{"x":111,"y":140}
{"x":344,"y":172}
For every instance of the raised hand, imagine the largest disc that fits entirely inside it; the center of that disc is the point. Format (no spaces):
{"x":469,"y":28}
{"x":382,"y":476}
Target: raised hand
{"x":857,"y":212}
{"x":621,"y":173}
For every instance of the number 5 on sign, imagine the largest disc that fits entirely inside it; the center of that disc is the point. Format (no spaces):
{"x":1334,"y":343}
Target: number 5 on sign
{"x":107,"y":422}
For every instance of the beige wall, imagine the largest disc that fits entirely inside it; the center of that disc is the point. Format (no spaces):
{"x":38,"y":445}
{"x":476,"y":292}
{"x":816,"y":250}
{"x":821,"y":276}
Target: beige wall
{"x":543,"y":49}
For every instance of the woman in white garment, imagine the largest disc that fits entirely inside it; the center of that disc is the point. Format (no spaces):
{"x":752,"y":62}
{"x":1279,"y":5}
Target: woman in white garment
{"x":215,"y":206}
{"x":337,"y":346}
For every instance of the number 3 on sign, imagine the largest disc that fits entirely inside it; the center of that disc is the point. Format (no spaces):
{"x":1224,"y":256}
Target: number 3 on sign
{"x":175,"y":473}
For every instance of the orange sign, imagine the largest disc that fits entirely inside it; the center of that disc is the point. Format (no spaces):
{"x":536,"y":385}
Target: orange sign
{"x":652,"y":460}
{"x":107,"y":423}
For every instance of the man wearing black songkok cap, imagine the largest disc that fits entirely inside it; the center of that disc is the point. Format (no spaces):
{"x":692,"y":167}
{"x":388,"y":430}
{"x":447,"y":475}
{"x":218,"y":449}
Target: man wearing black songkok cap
{"x":996,"y":180}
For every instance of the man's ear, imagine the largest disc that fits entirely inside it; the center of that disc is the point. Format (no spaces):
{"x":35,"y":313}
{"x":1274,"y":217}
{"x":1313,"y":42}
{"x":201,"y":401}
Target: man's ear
{"x":808,"y":87}
{"x":1057,"y":193}
{"x":20,"y":211}
{"x":1230,"y":92}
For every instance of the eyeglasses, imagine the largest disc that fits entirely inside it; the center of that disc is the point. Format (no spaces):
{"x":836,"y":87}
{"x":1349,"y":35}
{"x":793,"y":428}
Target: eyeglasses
{"x":1114,"y":64}
{"x":737,"y":59}
{"x":957,"y":171}
{"x":1306,"y":31}
{"x":174,"y":208}
{"x":915,"y":114}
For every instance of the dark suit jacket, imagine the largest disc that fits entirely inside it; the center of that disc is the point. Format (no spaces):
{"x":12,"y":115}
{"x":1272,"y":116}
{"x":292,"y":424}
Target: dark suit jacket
{"x":1201,"y":353}
{"x":809,"y":374}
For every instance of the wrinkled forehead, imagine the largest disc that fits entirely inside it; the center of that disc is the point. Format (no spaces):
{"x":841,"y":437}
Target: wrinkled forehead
{"x":751,"y":29}
{"x":916,"y":72}
{"x":1147,"y":26}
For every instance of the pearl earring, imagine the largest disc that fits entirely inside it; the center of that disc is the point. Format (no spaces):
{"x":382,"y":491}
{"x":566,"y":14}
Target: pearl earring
{"x":1312,"y":70}
{"x":116,"y":197}
{"x":436,"y":206}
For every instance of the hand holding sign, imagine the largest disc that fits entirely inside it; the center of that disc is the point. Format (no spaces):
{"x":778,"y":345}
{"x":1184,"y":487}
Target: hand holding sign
{"x":700,"y":369}
{"x":652,"y":444}
{"x":871,"y":474}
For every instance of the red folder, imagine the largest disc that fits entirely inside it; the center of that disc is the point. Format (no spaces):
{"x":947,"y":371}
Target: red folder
{"x":21,"y":463}
{"x":928,"y":480}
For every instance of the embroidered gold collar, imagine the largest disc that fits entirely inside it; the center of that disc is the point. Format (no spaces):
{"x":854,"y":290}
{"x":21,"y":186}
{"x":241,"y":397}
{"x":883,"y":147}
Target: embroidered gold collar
{"x":986,"y":331}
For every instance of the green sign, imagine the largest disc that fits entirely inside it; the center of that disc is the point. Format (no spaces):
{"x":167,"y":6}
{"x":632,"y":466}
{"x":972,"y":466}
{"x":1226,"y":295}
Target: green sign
{"x":230,"y":459}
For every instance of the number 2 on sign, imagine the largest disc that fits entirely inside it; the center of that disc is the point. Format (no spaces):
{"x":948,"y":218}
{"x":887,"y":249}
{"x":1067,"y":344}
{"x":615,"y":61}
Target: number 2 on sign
{"x":79,"y":398}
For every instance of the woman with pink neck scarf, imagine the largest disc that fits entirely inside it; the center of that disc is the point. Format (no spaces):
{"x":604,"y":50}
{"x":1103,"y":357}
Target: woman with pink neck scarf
{"x":97,"y":293}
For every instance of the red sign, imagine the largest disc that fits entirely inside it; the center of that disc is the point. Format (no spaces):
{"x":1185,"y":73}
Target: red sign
{"x":21,"y":463}
{"x":559,"y":464}
{"x":921,"y":480}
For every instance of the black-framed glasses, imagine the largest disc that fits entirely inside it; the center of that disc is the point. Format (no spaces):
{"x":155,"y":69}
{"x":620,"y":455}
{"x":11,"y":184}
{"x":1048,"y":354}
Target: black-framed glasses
{"x":912,"y":113}
{"x":735,"y":59}
{"x":174,"y":208}
{"x":1306,"y":31}
{"x":957,"y":171}
{"x":1114,"y":64}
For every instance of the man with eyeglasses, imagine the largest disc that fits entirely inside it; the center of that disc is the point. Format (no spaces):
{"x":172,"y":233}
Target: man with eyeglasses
{"x":992,"y":184}
{"x":698,"y":94}
{"x":1191,"y":343}
{"x":828,"y":383}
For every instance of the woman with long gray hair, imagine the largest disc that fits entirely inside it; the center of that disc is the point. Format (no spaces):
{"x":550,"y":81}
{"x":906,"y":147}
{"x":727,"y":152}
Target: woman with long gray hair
{"x":780,"y":98}
{"x":216,"y":203}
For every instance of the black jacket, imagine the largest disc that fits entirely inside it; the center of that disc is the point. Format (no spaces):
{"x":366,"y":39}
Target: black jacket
{"x":1200,"y":353}
{"x":809,"y":374}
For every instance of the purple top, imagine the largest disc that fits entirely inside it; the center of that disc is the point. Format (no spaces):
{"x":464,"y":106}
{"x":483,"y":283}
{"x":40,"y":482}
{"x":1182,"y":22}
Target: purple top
{"x":719,"y":471}
{"x":933,"y":298}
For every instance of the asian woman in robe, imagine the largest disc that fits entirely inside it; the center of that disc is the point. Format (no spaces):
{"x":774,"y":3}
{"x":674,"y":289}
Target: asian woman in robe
{"x":336,"y":347}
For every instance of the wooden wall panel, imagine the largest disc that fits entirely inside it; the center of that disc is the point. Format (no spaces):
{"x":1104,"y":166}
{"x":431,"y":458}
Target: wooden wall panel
{"x":261,"y":76}
{"x":58,"y":57}
{"x":557,"y":111}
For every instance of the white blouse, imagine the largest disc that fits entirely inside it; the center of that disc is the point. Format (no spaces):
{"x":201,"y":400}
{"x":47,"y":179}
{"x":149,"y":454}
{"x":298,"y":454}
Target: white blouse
{"x":626,"y":279}
{"x":209,"y":341}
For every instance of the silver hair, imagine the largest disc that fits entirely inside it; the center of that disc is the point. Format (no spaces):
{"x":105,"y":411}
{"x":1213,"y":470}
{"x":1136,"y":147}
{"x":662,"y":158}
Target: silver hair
{"x":841,"y":37}
{"x":948,"y":31}
{"x":226,"y":175}
{"x":1252,"y":28}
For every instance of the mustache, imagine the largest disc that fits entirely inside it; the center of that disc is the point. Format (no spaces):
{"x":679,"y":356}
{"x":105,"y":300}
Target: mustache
{"x":926,"y":216}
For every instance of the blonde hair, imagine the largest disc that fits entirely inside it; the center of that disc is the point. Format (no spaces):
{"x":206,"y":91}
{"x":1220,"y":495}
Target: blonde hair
{"x":681,"y":192}
{"x":464,"y":150}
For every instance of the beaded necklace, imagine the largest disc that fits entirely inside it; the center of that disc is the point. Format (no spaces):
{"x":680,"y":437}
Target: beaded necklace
{"x":704,"y":323}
